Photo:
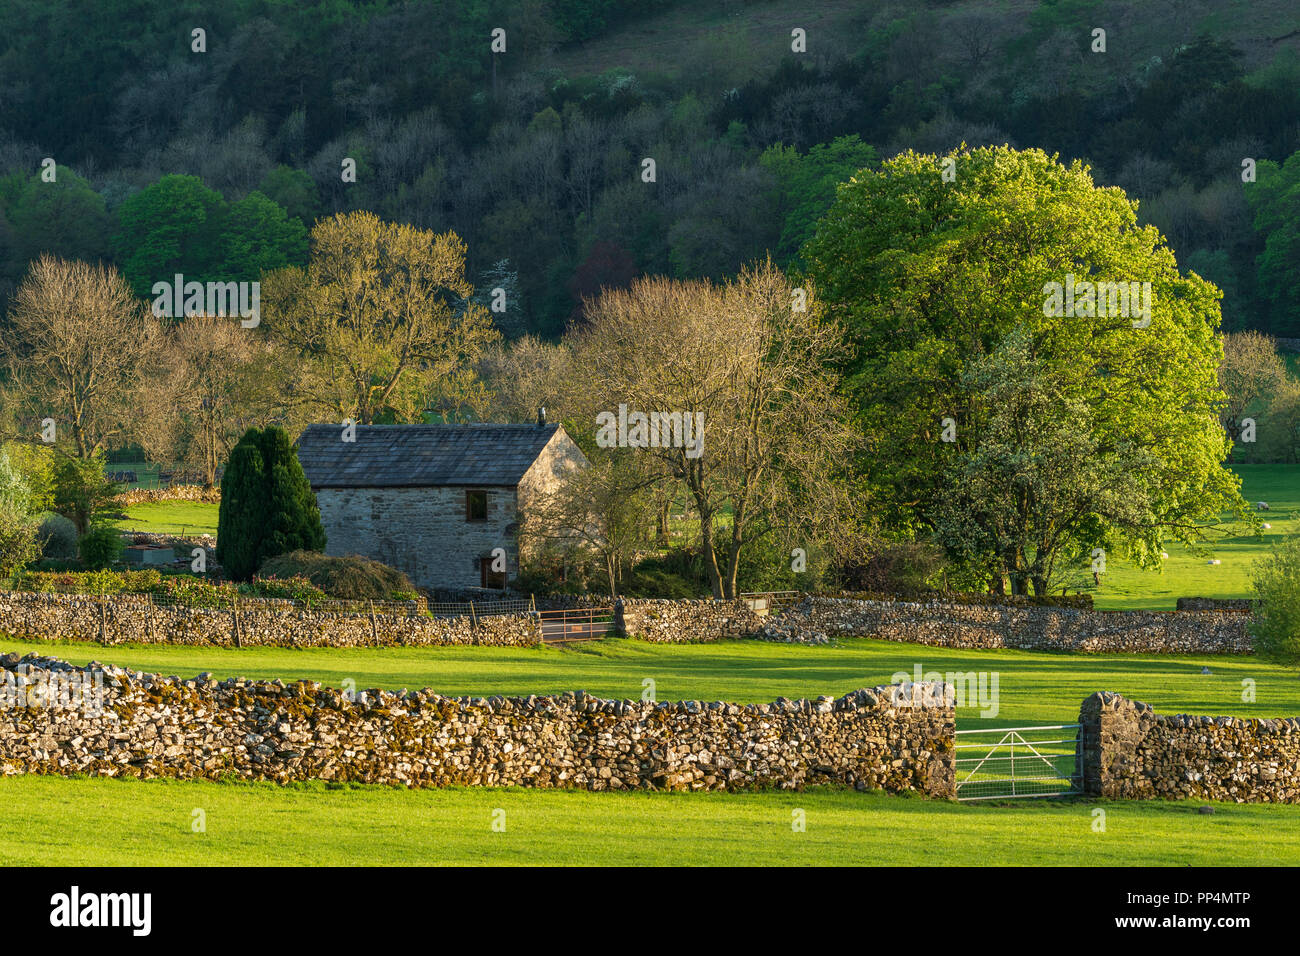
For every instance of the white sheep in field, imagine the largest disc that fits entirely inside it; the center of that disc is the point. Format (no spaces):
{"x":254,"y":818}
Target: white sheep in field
{"x":1261,"y":505}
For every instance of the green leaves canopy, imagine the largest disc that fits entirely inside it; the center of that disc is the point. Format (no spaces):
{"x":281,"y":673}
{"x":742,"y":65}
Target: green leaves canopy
{"x":928,"y":276}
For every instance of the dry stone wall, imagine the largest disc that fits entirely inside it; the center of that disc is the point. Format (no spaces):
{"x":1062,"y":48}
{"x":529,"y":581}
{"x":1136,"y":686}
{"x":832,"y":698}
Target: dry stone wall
{"x":135,"y":619}
{"x":893,"y":739}
{"x":1128,"y":751}
{"x":941,"y":624}
{"x":666,"y":621}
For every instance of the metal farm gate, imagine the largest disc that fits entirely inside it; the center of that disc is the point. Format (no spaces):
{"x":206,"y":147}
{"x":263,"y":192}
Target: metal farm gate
{"x":576,"y":624}
{"x":1017,"y":762}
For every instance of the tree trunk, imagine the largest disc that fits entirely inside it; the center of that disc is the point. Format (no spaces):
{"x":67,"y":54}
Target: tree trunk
{"x":710,"y":557}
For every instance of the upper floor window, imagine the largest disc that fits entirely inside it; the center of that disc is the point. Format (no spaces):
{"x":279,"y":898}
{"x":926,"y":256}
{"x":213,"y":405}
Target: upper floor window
{"x":476,"y":506}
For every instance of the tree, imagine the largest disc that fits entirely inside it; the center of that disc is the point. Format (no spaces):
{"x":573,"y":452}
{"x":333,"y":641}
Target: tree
{"x":66,"y":218}
{"x":81,"y":346}
{"x":213,"y":381}
{"x":1274,"y":199}
{"x":295,"y":191}
{"x":1037,"y":487}
{"x":267,"y":506}
{"x":929,"y":273}
{"x":525,"y":375}
{"x":601,"y":510}
{"x":82,"y":492}
{"x":379,"y":314}
{"x":1280,"y":427}
{"x":258,"y":236}
{"x":1250,"y":374}
{"x":167,"y":228}
{"x":19,"y":540}
{"x":1275,"y":625}
{"x":752,"y":374}
{"x":806,"y":184}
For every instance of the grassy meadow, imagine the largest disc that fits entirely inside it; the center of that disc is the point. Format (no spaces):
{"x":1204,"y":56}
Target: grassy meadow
{"x":131,"y":823}
{"x":57,"y":819}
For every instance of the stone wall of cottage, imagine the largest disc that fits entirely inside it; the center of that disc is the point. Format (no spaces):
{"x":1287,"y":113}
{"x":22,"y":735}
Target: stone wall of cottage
{"x":136,"y":619}
{"x":1129,"y":752}
{"x":422,"y":531}
{"x":146,"y":725}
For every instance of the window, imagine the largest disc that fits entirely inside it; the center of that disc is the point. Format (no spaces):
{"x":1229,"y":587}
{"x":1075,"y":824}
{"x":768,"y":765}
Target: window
{"x":476,"y":506}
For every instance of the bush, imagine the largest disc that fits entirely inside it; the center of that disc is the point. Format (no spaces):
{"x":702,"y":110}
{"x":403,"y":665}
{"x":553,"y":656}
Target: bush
{"x":353,"y":578}
{"x":19,"y":541}
{"x":58,"y":536}
{"x":82,"y":492}
{"x":267,"y":506}
{"x":1275,"y":626}
{"x":898,"y":567}
{"x":177,"y":586}
{"x":100,"y":547}
{"x":679,"y":573}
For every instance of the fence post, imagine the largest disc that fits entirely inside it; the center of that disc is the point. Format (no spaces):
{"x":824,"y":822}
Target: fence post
{"x":473,"y":618}
{"x":103,"y":619}
{"x":234,"y":617}
{"x":148,"y":618}
{"x":374,"y":630}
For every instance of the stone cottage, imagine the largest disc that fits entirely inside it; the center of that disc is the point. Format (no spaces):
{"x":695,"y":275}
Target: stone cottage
{"x":435,"y":501}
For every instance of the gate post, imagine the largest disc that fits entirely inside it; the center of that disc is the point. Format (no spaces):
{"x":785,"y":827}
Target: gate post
{"x":1107,"y":745}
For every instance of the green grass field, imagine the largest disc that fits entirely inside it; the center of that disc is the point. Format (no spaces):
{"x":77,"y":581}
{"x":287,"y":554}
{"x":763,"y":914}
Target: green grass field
{"x":1033,"y":687}
{"x":1188,"y":574}
{"x":171,"y":517}
{"x":50,"y":819}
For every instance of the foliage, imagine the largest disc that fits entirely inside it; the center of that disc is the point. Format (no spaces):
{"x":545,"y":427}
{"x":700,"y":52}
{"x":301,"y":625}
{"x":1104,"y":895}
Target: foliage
{"x":749,"y":370}
{"x":169,"y":587}
{"x":20,"y":543}
{"x":100,"y":547}
{"x":82,"y":491}
{"x":267,"y":506}
{"x":1275,"y":201}
{"x":379,"y":316}
{"x":169,"y":227}
{"x":806,"y":185}
{"x":930,"y":276}
{"x":58,"y":537}
{"x":34,"y":465}
{"x":352,"y":578}
{"x":1275,"y":624}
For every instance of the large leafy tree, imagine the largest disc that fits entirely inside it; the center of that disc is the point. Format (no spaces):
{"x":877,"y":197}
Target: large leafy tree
{"x":806,"y":184}
{"x":267,"y":505}
{"x":381,"y":314}
{"x":257,"y":236}
{"x":170,"y":227}
{"x":930,"y":273}
{"x":1275,"y":201}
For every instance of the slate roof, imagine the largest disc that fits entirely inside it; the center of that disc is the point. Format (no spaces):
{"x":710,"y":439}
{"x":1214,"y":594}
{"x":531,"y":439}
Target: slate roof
{"x":405,"y":456}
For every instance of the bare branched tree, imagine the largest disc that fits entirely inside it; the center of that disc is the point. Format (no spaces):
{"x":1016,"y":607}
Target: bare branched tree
{"x":757,"y":369}
{"x":80,"y":348}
